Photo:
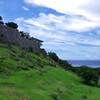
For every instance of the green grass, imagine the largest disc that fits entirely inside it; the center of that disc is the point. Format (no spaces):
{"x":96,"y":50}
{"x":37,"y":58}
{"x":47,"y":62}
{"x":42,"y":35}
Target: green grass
{"x":39,"y":83}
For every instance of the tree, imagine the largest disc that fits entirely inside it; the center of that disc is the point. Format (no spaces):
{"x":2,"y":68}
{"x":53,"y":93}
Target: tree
{"x":64,"y":64}
{"x":88,"y":74}
{"x":25,"y":34}
{"x":12,"y":25}
{"x":0,"y":17}
{"x":22,"y":34}
{"x":53,"y":56}
{"x":1,"y":22}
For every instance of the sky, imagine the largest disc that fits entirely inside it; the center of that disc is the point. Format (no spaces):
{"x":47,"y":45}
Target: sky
{"x":69,"y":28}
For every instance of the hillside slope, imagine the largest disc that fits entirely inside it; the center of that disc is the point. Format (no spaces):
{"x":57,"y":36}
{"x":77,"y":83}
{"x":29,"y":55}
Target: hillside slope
{"x":27,"y":76}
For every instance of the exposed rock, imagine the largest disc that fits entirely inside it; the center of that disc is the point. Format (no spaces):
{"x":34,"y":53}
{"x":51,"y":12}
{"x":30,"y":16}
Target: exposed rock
{"x":24,"y":68}
{"x":1,"y":70}
{"x":10,"y":53}
{"x":1,"y":60}
{"x":8,"y":74}
{"x":17,"y":59}
{"x":18,"y":67}
{"x":40,"y":73}
{"x":21,"y":63}
{"x":41,"y":66}
{"x":58,"y":90}
{"x":9,"y":47}
{"x":50,"y":64}
{"x":54,"y":96}
{"x":84,"y":96}
{"x":31,"y":66}
{"x":36,"y":68}
{"x":29,"y":74}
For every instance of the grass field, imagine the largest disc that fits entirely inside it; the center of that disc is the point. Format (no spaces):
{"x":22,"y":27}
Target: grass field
{"x":26,"y":76}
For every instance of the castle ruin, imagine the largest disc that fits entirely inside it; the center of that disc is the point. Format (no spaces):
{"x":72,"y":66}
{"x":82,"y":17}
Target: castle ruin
{"x":12,"y":36}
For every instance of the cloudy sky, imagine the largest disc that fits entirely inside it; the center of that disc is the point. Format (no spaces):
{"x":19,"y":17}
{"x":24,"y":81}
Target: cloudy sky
{"x":70,"y":28}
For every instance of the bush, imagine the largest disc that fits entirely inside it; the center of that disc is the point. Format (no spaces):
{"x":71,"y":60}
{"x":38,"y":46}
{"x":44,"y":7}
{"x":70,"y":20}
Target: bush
{"x":0,"y":17}
{"x":88,"y":74}
{"x":53,"y":56}
{"x":64,"y":64}
{"x":1,"y":22}
{"x":30,"y":49}
{"x":12,"y":25}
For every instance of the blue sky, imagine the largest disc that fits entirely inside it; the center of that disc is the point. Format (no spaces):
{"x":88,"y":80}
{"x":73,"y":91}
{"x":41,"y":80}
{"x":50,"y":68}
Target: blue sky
{"x":70,"y":28}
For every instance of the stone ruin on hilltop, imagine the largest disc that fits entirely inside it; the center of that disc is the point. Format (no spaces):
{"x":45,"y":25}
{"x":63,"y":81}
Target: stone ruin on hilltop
{"x":12,"y":36}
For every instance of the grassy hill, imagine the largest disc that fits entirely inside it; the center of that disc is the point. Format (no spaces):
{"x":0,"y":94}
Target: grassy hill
{"x":27,"y":76}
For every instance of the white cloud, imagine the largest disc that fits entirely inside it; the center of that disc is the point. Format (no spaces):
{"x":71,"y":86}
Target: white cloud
{"x":55,"y":32}
{"x":63,"y":6}
{"x":81,"y":7}
{"x":89,"y":9}
{"x":25,"y":8}
{"x":57,"y":27}
{"x":50,"y":22}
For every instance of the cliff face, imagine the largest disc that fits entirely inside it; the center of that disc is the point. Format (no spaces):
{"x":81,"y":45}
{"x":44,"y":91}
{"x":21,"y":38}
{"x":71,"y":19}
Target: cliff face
{"x":12,"y":36}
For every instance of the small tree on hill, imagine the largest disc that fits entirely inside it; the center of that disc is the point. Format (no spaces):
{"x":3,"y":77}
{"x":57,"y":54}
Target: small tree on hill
{"x":0,"y":17}
{"x":53,"y":56}
{"x":22,"y":34}
{"x":88,"y":74}
{"x":64,"y":64}
{"x":25,"y":34}
{"x":1,"y":22}
{"x":12,"y":25}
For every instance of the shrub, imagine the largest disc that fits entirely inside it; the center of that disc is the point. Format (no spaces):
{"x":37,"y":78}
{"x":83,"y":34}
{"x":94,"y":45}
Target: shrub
{"x":12,"y":25}
{"x":88,"y":74}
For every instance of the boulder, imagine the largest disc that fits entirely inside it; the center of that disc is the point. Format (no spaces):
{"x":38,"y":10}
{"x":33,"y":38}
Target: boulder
{"x":84,"y":96}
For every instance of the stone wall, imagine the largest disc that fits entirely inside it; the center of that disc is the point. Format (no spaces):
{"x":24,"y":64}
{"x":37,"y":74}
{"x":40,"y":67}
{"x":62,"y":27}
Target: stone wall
{"x":12,"y":36}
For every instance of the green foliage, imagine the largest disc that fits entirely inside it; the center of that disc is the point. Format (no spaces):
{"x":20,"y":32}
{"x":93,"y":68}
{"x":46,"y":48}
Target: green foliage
{"x":1,"y":22}
{"x":12,"y":25}
{"x":0,"y":17}
{"x":53,"y":56}
{"x":64,"y":64}
{"x":24,"y":34}
{"x":88,"y":74}
{"x":30,"y":49}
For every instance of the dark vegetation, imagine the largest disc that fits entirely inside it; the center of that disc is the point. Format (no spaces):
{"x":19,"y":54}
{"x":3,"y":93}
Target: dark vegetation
{"x":88,"y":74}
{"x":24,"y":34}
{"x":1,"y":22}
{"x":64,"y":64}
{"x":12,"y":25}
